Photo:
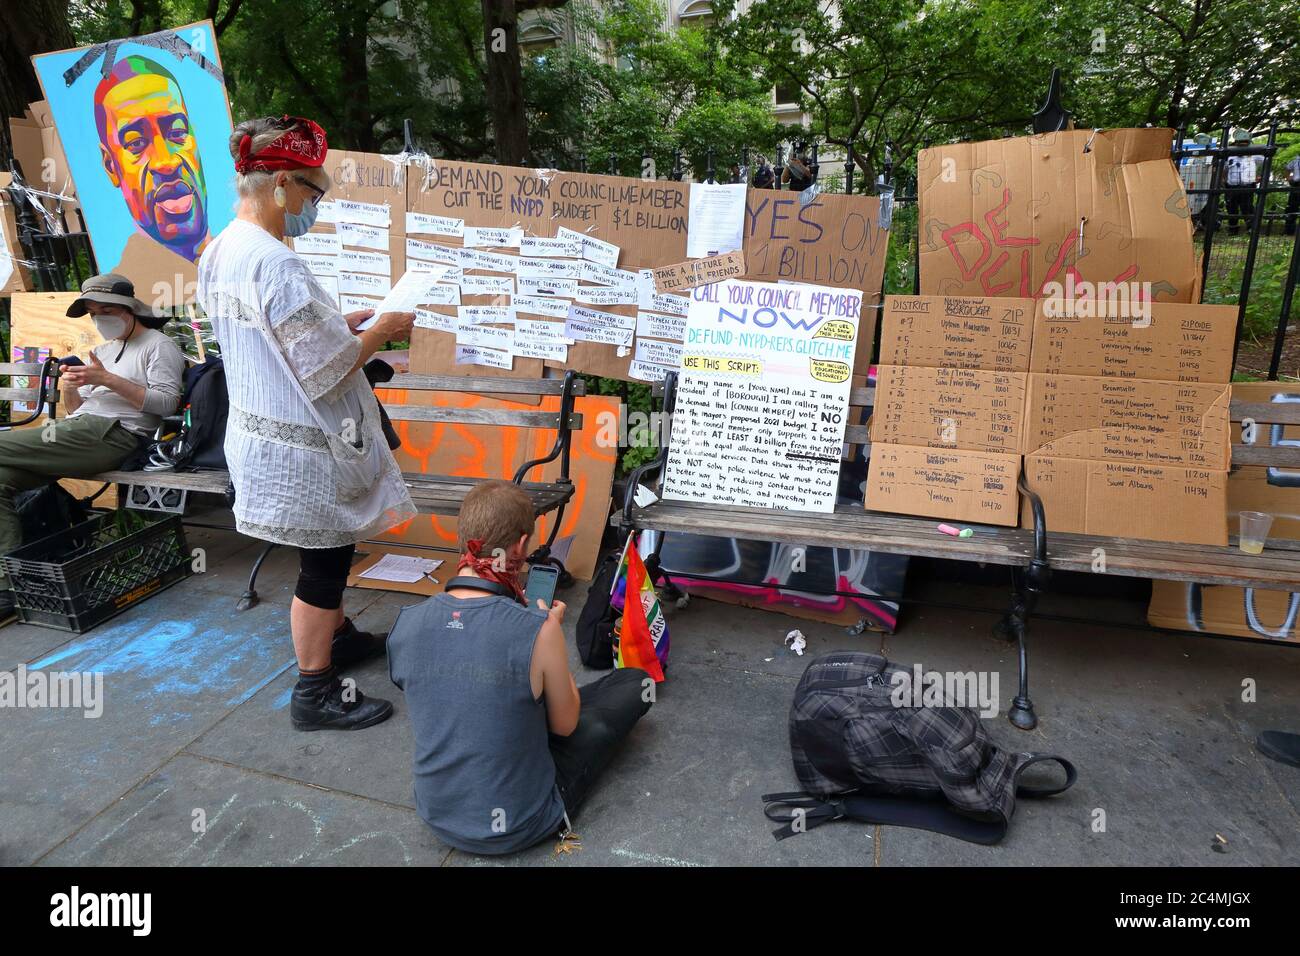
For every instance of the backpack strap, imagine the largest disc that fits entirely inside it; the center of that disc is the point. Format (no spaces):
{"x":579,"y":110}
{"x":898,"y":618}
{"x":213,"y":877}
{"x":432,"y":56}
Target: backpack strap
{"x":1028,"y":790}
{"x":933,"y":815}
{"x":796,"y":807}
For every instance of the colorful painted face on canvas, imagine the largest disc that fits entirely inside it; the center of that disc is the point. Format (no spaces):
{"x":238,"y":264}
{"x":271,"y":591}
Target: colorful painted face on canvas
{"x":150,"y":153}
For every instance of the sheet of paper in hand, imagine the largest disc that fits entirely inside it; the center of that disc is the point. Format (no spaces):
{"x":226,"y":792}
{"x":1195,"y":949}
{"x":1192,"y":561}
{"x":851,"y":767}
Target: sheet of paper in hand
{"x":410,"y":290}
{"x":763,"y":395}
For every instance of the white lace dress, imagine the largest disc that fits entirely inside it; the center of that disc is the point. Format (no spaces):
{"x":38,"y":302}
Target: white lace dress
{"x":280,"y":464}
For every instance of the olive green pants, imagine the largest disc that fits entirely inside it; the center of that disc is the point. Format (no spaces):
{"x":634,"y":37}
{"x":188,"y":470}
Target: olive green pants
{"x":70,"y":448}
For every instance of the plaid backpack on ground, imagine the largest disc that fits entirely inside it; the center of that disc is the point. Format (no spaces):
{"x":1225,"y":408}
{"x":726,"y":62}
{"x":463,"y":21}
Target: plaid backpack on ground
{"x":859,"y":756}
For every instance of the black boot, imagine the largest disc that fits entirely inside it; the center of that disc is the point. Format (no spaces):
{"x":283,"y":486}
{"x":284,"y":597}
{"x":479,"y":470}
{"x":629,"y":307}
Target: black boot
{"x":352,"y":646}
{"x":318,"y":704}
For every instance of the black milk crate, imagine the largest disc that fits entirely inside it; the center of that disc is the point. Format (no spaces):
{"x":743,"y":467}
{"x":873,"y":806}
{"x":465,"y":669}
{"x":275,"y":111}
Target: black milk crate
{"x":78,"y":578}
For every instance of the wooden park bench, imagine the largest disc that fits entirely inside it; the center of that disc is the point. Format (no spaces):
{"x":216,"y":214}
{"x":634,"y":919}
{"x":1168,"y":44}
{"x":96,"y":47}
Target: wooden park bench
{"x":434,"y":494}
{"x":1031,"y":553}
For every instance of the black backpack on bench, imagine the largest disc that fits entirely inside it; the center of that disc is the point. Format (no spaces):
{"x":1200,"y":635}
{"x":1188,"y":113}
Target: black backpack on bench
{"x":861,"y":757}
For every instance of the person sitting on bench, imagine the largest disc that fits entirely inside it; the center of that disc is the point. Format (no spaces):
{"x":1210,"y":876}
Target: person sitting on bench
{"x":506,"y":745}
{"x":116,"y":397}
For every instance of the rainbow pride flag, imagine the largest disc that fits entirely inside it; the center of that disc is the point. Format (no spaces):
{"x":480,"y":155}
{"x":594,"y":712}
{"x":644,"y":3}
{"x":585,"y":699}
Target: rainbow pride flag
{"x":642,"y":636}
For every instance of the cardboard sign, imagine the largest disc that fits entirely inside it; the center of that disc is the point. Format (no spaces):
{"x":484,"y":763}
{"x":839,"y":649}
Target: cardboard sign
{"x":1010,"y":216}
{"x":763,"y":396}
{"x":960,"y":485}
{"x":697,"y":272}
{"x":1172,"y":342}
{"x":938,"y":331}
{"x":952,"y":408}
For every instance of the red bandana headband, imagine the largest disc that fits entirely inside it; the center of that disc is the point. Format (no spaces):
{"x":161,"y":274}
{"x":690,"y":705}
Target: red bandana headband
{"x":489,"y":569}
{"x":302,"y":146}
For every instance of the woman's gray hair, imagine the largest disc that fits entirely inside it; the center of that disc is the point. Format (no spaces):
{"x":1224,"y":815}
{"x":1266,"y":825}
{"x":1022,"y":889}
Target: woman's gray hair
{"x":263,"y":132}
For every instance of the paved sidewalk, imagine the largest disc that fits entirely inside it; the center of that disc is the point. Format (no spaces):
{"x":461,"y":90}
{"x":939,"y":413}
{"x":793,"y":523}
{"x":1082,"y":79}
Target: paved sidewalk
{"x":195,"y":729}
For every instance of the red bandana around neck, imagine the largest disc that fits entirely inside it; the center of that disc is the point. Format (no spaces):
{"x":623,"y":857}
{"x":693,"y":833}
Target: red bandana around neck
{"x":489,"y":569}
{"x":302,"y":146}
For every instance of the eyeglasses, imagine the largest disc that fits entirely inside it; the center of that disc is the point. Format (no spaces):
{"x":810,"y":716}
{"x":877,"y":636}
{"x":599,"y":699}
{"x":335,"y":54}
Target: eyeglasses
{"x":317,"y":193}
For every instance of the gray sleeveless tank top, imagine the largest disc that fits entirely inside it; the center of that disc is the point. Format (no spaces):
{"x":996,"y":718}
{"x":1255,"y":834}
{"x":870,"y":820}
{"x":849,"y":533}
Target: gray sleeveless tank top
{"x":484,"y":777}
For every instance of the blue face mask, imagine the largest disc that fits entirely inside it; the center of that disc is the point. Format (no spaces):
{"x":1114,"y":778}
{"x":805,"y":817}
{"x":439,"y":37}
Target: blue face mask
{"x":300,"y":224}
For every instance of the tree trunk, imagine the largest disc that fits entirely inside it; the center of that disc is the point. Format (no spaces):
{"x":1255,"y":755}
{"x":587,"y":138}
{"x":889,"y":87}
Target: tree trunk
{"x":26,"y":28}
{"x":505,"y":81}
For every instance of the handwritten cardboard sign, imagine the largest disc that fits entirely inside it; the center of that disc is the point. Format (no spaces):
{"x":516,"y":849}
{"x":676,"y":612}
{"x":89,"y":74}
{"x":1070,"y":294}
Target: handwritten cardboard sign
{"x":696,"y":272}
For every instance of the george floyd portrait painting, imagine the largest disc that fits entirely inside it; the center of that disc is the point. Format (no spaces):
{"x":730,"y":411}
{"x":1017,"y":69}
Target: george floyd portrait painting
{"x":145,"y":124}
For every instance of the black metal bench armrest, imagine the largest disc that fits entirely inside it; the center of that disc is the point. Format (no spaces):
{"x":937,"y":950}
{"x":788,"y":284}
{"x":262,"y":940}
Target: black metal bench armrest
{"x":46,"y":394}
{"x":563,"y":437}
{"x":656,"y":464}
{"x":1040,"y":569}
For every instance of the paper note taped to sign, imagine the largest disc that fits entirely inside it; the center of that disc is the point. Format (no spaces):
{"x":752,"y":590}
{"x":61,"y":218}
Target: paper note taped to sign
{"x":697,"y":272}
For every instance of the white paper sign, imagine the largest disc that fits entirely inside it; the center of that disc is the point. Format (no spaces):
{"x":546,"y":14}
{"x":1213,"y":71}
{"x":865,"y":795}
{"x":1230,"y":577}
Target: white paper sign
{"x":486,"y":336}
{"x":654,"y":352}
{"x":604,"y":275}
{"x":545,"y":246}
{"x":541,"y":305}
{"x":550,"y":269}
{"x":320,"y":265}
{"x":326,"y":243}
{"x":441,"y":293}
{"x":588,"y":325}
{"x":355,"y":303}
{"x":664,"y":302}
{"x":595,"y":250}
{"x":489,"y":261}
{"x":538,"y":285}
{"x":432,"y":252}
{"x":428,"y":319}
{"x":763,"y":395}
{"x":354,"y":260}
{"x":660,"y":326}
{"x":368,"y":237}
{"x":546,"y":351}
{"x":363,"y":283}
{"x":445,"y":273}
{"x":487,"y":285}
{"x":421,"y":223}
{"x":647,"y":373}
{"x":477,"y":355}
{"x":540,"y":332}
{"x":478,"y":314}
{"x":366,"y":213}
{"x":601,"y":295}
{"x":412,"y":289}
{"x":481,"y":236}
{"x":717,"y":219}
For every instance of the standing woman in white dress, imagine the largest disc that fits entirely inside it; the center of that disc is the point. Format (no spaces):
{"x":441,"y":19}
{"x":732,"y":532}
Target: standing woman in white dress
{"x":306,"y":453}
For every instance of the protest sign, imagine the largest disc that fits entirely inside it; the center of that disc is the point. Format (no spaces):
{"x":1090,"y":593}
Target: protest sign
{"x":763,"y":395}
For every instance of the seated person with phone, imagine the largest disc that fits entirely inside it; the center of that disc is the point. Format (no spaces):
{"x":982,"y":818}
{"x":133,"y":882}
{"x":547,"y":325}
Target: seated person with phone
{"x":506,"y":745}
{"x":116,"y":396}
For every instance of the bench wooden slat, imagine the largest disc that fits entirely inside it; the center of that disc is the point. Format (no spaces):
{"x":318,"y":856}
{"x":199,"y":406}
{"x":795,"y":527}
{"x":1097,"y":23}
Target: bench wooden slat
{"x":20,"y":368}
{"x":1278,"y":456}
{"x":500,"y":386}
{"x":214,"y":481}
{"x":861,"y":397}
{"x":850,"y":527}
{"x":1267,"y":413}
{"x":480,"y":416}
{"x":19,"y":394}
{"x":1281,"y":570}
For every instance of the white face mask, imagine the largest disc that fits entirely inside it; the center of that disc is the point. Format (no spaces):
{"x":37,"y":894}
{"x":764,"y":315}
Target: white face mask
{"x":110,"y":326}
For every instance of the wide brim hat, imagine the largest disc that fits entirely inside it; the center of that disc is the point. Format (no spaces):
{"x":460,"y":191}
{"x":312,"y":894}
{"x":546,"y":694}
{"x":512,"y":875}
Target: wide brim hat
{"x":111,"y":289}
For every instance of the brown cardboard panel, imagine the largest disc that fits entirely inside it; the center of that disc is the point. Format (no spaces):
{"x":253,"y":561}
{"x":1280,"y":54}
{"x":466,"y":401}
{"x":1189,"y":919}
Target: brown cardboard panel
{"x":1172,"y":423}
{"x":952,"y":408}
{"x":1003,"y":217}
{"x":958,"y":485}
{"x":1219,"y":609}
{"x":695,"y":272}
{"x":1176,"y":342}
{"x":374,"y":553}
{"x":1129,"y":499}
{"x":20,"y":279}
{"x":370,"y":178}
{"x":939,"y":331}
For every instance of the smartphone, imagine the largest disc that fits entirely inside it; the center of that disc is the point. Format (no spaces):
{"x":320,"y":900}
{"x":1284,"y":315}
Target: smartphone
{"x":70,"y":360}
{"x":542,"y":581}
